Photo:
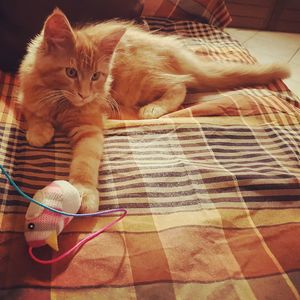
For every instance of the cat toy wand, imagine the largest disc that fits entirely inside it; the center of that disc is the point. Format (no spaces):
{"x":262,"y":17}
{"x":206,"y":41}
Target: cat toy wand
{"x":50,"y":210}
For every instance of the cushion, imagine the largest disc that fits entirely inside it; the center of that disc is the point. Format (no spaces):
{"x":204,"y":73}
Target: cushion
{"x":213,"y":11}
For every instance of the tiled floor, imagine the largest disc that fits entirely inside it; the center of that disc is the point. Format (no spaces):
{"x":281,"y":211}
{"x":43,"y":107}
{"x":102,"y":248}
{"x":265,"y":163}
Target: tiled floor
{"x":273,"y":47}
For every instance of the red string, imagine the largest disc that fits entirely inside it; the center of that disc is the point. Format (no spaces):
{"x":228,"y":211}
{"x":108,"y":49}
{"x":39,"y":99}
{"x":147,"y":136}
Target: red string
{"x":79,"y":244}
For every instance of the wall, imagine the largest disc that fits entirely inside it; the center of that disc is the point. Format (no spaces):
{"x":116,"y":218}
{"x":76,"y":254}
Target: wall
{"x":278,"y":15}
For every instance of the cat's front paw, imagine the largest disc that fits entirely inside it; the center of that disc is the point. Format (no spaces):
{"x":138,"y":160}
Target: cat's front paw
{"x":90,"y":198}
{"x":40,"y":136}
{"x":152,"y":111}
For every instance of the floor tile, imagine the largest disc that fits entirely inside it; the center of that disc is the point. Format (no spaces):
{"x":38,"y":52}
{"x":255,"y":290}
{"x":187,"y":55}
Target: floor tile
{"x":295,"y":68}
{"x":293,"y":85}
{"x":296,"y":58}
{"x":275,"y":48}
{"x":242,"y":35}
{"x":264,"y":58}
{"x":291,"y":39}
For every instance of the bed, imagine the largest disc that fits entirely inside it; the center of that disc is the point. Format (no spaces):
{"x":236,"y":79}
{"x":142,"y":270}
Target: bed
{"x":212,"y":192}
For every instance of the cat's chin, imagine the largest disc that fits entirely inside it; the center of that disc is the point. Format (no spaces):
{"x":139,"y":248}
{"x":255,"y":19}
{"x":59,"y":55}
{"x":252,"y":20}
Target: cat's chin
{"x":79,"y":103}
{"x":76,"y":104}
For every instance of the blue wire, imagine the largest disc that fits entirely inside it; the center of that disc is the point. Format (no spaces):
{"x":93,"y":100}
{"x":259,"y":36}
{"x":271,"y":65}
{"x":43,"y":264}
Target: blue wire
{"x":99,"y":213}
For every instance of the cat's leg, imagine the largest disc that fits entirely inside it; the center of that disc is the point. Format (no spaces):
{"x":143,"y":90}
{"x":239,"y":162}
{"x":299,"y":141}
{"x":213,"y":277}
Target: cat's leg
{"x":39,"y":132}
{"x":87,"y":145}
{"x":170,"y":101}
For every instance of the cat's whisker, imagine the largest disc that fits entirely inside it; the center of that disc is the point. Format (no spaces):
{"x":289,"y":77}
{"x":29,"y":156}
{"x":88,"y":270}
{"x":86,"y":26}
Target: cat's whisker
{"x":69,"y":94}
{"x":113,"y":103}
{"x":49,"y":101}
{"x":51,"y":97}
{"x":114,"y":106}
{"x":47,"y":97}
{"x":62,"y":104}
{"x":110,"y":106}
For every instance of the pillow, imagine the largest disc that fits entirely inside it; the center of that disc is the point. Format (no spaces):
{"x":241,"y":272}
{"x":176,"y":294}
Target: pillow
{"x":213,"y":11}
{"x":21,"y":20}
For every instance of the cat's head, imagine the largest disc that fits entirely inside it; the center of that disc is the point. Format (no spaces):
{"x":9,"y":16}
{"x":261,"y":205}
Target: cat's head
{"x":75,"y":63}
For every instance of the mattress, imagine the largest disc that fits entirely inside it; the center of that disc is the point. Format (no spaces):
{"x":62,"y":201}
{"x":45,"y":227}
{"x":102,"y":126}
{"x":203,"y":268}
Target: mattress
{"x":212,"y":192}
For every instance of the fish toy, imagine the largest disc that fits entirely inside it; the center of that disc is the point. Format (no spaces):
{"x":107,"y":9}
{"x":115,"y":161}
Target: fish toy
{"x":50,"y":210}
{"x":43,"y":226}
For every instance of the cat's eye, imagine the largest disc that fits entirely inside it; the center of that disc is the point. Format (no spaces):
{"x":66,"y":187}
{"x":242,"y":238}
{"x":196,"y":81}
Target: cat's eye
{"x":96,"y":76}
{"x":71,"y":72}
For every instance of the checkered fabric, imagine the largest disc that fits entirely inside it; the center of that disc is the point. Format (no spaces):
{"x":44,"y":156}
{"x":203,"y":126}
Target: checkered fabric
{"x":212,"y":193}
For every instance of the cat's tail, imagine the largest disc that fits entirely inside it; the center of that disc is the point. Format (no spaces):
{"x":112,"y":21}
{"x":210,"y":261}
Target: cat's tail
{"x":211,"y":75}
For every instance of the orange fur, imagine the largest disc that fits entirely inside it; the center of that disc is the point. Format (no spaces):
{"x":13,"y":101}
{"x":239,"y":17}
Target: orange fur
{"x":137,"y":69}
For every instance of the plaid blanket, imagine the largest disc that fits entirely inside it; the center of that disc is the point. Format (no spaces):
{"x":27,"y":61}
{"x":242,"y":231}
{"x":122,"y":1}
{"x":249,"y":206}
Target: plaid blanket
{"x":212,"y":195}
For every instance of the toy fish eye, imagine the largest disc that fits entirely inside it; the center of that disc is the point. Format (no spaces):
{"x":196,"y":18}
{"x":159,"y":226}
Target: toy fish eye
{"x":31,"y":226}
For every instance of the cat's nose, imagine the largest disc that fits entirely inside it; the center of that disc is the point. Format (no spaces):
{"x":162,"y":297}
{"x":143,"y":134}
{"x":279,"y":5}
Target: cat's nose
{"x":83,"y":96}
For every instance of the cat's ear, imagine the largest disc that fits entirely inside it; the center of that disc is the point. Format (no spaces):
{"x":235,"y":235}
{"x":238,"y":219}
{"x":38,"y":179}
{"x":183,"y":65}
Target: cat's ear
{"x":58,"y":33}
{"x":110,"y":42}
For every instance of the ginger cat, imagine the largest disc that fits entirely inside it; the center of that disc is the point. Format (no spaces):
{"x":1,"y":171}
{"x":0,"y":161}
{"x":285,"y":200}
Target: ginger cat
{"x":70,"y":76}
